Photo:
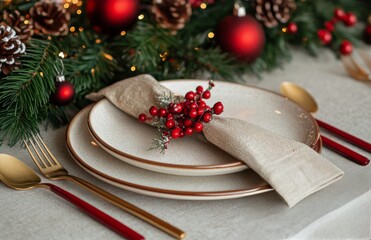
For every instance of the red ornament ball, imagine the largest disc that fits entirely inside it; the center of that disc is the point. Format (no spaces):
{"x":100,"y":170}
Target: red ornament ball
{"x":112,"y":16}
{"x":367,"y":34}
{"x":324,"y":36}
{"x":242,"y":37}
{"x":346,"y":47}
{"x":350,"y":19}
{"x":64,"y":93}
{"x":292,"y":28}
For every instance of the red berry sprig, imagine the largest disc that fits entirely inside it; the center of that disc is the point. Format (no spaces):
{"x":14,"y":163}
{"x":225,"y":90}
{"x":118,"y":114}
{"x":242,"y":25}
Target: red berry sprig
{"x":325,"y":35}
{"x":181,"y":116}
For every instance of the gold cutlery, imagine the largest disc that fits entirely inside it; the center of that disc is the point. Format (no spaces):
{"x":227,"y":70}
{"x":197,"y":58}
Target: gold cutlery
{"x":15,"y":174}
{"x":299,"y":95}
{"x":359,"y":68}
{"x":52,"y":169}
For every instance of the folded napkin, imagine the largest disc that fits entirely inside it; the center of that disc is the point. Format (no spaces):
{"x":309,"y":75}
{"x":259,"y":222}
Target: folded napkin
{"x":292,"y":168}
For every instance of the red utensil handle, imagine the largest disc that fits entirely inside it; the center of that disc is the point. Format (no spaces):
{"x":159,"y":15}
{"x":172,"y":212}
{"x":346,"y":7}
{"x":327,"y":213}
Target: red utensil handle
{"x":346,"y":136}
{"x":344,"y":151}
{"x":97,"y":214}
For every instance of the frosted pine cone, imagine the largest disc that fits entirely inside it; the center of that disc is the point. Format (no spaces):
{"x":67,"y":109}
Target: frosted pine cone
{"x":50,"y":18}
{"x":11,"y":48}
{"x":172,"y":14}
{"x":23,"y":26}
{"x":272,"y":12}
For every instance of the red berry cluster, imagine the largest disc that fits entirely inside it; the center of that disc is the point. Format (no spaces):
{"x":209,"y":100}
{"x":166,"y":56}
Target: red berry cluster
{"x":184,"y":117}
{"x":325,"y":36}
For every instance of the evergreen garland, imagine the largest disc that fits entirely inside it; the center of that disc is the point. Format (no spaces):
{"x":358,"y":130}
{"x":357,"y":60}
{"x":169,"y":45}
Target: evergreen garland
{"x":93,"y":60}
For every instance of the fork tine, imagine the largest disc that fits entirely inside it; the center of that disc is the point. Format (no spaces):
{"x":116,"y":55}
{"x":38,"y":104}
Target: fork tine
{"x":51,"y":163}
{"x":48,"y":150}
{"x":41,"y":165}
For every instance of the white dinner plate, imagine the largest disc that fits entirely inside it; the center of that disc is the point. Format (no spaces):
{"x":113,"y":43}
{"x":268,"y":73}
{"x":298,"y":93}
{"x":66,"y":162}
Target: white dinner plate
{"x":128,"y":139}
{"x":104,"y":166}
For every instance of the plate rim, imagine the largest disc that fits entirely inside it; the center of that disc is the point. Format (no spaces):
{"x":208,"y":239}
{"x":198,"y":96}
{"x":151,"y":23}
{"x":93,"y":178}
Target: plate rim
{"x":239,"y":165}
{"x":238,"y":192}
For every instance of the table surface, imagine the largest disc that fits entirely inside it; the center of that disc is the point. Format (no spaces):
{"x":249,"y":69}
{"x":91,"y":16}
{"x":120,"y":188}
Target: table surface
{"x":340,"y":211}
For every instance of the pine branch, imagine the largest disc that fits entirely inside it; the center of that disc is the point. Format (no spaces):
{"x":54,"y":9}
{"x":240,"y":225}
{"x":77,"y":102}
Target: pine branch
{"x":26,"y":91}
{"x":88,"y":65}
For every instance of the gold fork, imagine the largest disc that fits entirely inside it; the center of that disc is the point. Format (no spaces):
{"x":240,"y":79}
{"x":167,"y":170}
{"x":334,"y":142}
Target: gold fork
{"x":357,"y":70}
{"x":52,"y":169}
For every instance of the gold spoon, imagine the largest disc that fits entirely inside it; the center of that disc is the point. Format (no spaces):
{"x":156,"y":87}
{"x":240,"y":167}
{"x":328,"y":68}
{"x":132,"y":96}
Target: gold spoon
{"x":15,"y":174}
{"x":302,"y":97}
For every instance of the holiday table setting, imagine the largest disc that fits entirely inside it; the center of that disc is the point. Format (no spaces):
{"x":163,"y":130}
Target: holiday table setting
{"x":175,"y":118}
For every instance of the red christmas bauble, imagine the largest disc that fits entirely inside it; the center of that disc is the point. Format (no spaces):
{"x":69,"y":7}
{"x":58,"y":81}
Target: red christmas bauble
{"x":346,"y":47}
{"x":64,"y":93}
{"x":112,"y":16}
{"x":242,"y":37}
{"x":367,"y":34}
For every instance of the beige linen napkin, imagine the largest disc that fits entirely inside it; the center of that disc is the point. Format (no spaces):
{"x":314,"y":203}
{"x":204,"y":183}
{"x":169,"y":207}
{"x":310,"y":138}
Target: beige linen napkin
{"x":292,"y":168}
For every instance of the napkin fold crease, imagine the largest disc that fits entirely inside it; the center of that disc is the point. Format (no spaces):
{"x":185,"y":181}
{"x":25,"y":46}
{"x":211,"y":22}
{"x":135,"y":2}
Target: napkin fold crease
{"x":292,"y":168}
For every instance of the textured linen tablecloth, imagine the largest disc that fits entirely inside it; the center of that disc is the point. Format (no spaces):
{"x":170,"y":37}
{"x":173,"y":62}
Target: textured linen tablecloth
{"x":340,"y":211}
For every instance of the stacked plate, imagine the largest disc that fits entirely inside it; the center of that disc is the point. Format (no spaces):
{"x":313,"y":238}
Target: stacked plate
{"x":112,"y":146}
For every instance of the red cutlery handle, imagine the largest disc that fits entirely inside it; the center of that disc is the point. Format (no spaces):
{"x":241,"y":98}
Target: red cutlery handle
{"x":344,"y":151}
{"x":97,"y":214}
{"x":346,"y":136}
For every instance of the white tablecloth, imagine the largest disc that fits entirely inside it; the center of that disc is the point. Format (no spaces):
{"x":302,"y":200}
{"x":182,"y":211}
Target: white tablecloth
{"x":340,"y":211}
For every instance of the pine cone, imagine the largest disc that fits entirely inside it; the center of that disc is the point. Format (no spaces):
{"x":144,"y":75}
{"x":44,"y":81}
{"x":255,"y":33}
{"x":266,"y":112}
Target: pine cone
{"x":50,"y":18}
{"x":11,"y":48}
{"x":22,"y":25}
{"x":271,"y":12}
{"x":172,"y":14}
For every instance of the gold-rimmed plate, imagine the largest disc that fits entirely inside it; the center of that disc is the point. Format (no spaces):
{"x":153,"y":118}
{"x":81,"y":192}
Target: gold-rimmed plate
{"x":127,"y":139}
{"x":92,"y":158}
